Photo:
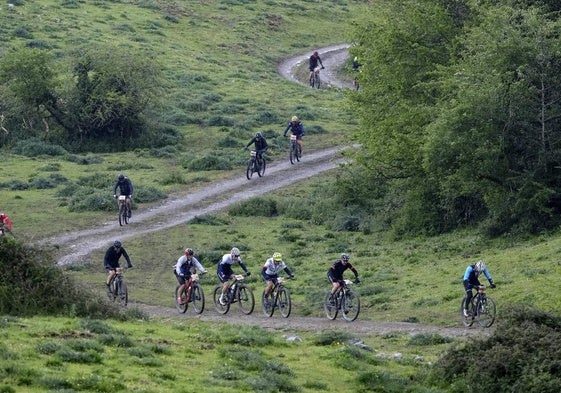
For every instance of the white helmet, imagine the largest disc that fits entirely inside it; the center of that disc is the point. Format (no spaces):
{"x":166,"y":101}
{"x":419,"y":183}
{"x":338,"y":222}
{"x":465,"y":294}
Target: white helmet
{"x":235,"y":252}
{"x":480,"y":266}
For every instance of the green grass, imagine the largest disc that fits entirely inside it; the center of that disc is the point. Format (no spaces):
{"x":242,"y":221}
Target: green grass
{"x":220,"y":59}
{"x":53,"y":354}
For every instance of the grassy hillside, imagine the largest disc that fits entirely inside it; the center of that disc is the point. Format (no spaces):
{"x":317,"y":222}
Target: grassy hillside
{"x":219,"y":59}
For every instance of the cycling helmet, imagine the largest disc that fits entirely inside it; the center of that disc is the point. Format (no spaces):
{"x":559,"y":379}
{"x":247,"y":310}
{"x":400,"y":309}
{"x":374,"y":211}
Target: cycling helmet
{"x":189,"y":252}
{"x":294,"y":118}
{"x":235,"y":252}
{"x":345,"y":257}
{"x":258,"y":135}
{"x":480,"y":266}
{"x":2,"y":216}
{"x":117,"y":243}
{"x":121,"y":177}
{"x":277,"y":256}
{"x":316,"y":53}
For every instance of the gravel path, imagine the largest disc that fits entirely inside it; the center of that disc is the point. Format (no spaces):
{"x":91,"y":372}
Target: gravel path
{"x":181,"y":208}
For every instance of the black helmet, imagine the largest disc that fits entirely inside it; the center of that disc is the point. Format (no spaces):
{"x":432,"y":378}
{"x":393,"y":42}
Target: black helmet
{"x":117,"y":243}
{"x":345,"y":257}
{"x":121,"y":177}
{"x":258,"y":135}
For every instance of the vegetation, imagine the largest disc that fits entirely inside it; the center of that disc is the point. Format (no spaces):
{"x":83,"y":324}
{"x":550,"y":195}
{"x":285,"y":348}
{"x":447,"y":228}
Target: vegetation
{"x":457,"y":122}
{"x":459,"y":114}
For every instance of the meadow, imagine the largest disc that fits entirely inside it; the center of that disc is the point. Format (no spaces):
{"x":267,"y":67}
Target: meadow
{"x":220,"y":59}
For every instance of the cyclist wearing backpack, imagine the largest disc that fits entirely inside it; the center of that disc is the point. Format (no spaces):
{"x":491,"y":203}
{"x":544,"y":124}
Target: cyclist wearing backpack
{"x":184,"y":268}
{"x":261,"y":145}
{"x":125,"y":188}
{"x":471,"y":280}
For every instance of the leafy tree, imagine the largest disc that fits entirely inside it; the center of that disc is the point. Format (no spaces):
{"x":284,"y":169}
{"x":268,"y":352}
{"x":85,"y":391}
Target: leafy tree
{"x":105,"y":106}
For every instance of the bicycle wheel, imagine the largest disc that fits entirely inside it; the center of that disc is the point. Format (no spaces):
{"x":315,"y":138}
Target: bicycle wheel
{"x":249,"y":171}
{"x":467,"y":321}
{"x":122,"y":293}
{"x":268,"y":304}
{"x":197,"y":298}
{"x":350,"y":306}
{"x":111,"y":291}
{"x":485,"y":311}
{"x":330,"y":306}
{"x":222,"y":309}
{"x":245,"y":299}
{"x":182,"y":308}
{"x":292,"y":153}
{"x":261,"y":167}
{"x":122,"y":214}
{"x":284,"y":303}
{"x":317,"y":81}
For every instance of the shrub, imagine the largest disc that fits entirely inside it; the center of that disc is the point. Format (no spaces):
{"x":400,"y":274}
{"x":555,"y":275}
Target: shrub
{"x":259,"y":206}
{"x":35,"y":147}
{"x":208,"y":163}
{"x":522,"y":354}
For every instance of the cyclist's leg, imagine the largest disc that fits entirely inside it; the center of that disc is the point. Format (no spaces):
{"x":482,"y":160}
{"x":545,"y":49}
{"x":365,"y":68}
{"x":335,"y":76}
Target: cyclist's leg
{"x":129,"y":205}
{"x":110,"y":275}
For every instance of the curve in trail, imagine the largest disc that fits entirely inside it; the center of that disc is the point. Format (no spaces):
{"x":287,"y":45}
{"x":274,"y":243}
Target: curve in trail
{"x":332,"y":57}
{"x":73,"y":247}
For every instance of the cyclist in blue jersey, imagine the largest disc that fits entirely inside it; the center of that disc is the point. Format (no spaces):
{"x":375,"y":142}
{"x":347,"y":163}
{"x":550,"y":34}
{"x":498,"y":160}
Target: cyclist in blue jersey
{"x":471,"y":280}
{"x":225,"y":273}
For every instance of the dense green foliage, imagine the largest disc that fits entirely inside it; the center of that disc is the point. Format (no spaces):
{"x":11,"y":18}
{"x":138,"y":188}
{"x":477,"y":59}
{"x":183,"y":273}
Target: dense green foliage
{"x":459,"y":112}
{"x":522,"y":356}
{"x":31,"y":284}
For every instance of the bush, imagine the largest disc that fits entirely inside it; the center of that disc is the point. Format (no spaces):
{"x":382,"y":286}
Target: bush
{"x":31,"y":284}
{"x":255,"y":207}
{"x":521,"y":356}
{"x":35,"y":147}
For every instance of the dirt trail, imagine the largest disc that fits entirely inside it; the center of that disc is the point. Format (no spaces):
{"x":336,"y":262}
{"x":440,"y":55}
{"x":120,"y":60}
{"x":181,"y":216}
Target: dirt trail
{"x":181,"y":208}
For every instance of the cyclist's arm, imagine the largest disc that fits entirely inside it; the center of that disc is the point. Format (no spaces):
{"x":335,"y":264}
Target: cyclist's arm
{"x":127,"y":258}
{"x":131,"y":188}
{"x":287,"y":128}
{"x":288,"y":271}
{"x":488,"y":275}
{"x":198,"y":265}
{"x":243,"y":266}
{"x":115,"y":188}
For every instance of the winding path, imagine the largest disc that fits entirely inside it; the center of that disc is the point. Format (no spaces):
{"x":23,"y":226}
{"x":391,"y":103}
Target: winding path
{"x":181,"y":208}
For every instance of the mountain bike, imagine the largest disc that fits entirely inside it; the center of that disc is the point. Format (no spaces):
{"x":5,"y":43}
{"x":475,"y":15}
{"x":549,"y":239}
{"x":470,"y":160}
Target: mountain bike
{"x":295,"y":149}
{"x":196,"y":296}
{"x":238,"y":292}
{"x":482,"y":308}
{"x":344,"y":300}
{"x":279,"y":297}
{"x":256,"y":164}
{"x":118,"y":288}
{"x":315,"y":80}
{"x":124,"y":210}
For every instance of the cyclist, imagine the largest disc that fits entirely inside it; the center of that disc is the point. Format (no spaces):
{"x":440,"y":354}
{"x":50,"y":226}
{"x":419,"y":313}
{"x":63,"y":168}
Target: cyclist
{"x":225,"y":273}
{"x":356,"y":68}
{"x":471,"y":280}
{"x":296,"y":128}
{"x":111,"y":261}
{"x":314,"y":61}
{"x":5,"y":222}
{"x":335,"y":272}
{"x":270,"y":271}
{"x":184,"y":268}
{"x":261,"y":144}
{"x":125,"y":188}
